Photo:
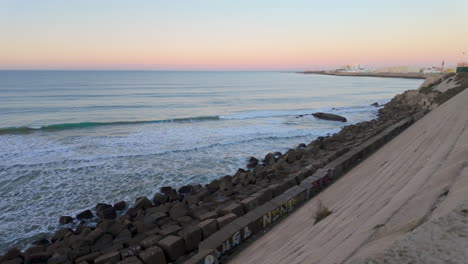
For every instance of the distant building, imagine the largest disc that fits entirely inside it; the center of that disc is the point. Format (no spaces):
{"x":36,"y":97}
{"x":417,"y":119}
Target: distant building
{"x":462,"y":67}
{"x":353,"y":68}
{"x":432,"y":70}
{"x":399,"y":69}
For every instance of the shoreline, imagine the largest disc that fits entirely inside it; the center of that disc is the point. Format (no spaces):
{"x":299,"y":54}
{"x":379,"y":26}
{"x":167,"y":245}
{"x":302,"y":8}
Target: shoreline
{"x":174,"y":223}
{"x":373,"y":74}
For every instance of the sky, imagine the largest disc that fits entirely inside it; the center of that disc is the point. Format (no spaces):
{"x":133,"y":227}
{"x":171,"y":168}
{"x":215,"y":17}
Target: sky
{"x":230,"y":35}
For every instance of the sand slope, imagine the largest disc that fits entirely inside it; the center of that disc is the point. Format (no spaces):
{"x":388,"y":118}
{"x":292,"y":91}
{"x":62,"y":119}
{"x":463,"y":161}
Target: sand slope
{"x":408,"y":202}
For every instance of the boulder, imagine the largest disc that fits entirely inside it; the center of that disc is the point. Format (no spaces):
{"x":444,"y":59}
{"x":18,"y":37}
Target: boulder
{"x":213,"y":186}
{"x":226,"y":185}
{"x":234,"y":208}
{"x":178,"y":210}
{"x":192,"y":235}
{"x":166,"y":190}
{"x":253,"y":162}
{"x":112,"y":257}
{"x":208,"y":227}
{"x":160,"y":198}
{"x":226,"y":219}
{"x":204,"y":216}
{"x":327,"y":116}
{"x":152,"y":255}
{"x":269,"y":159}
{"x":169,"y":230}
{"x":249,"y":203}
{"x":106,"y":213}
{"x":86,"y":214}
{"x":143,"y":203}
{"x":185,"y":190}
{"x":150,"y":241}
{"x":130,"y":251}
{"x":65,"y":220}
{"x":173,"y":246}
{"x":130,"y":260}
{"x":120,"y":205}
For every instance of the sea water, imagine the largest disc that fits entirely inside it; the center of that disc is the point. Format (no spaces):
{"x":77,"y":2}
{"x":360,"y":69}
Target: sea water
{"x":72,"y":139}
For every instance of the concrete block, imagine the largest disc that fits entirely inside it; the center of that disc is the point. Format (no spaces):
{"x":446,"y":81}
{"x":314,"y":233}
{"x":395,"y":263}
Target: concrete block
{"x":249,"y":203}
{"x":192,"y":236}
{"x":173,"y":246}
{"x":152,"y":255}
{"x":234,"y":208}
{"x":110,"y":258}
{"x":226,"y":219}
{"x":208,"y":227}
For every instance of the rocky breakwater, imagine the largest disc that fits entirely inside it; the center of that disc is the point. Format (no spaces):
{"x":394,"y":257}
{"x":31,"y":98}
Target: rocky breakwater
{"x":175,"y":224}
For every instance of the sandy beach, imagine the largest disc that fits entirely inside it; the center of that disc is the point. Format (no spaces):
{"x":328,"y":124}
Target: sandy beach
{"x":405,"y":204}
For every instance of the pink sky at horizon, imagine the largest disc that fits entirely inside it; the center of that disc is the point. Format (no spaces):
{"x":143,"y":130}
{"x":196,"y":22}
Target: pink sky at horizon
{"x":208,"y":36}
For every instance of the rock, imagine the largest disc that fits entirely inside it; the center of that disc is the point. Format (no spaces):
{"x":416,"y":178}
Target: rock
{"x":178,"y":210}
{"x":208,"y":227}
{"x":375,"y":104}
{"x":249,"y":203}
{"x":143,"y":203}
{"x":88,"y":258}
{"x":160,"y":198}
{"x":192,"y":235}
{"x":252,"y":162}
{"x":150,"y":241}
{"x":130,"y":251}
{"x":107,"y":213}
{"x":269,"y":159}
{"x":65,"y":220}
{"x":61,"y":234}
{"x":169,"y":230}
{"x":327,"y":116}
{"x":12,"y":253}
{"x":166,"y":190}
{"x":37,"y":257}
{"x":234,"y":208}
{"x":111,"y":258}
{"x":153,"y":255}
{"x":204,"y":216}
{"x":226,"y":219}
{"x":41,"y":242}
{"x":14,"y":261}
{"x":213,"y":186}
{"x":185,"y":190}
{"x":226,"y":185}
{"x":173,"y":246}
{"x":86,"y":214}
{"x":130,"y":260}
{"x":120,"y":205}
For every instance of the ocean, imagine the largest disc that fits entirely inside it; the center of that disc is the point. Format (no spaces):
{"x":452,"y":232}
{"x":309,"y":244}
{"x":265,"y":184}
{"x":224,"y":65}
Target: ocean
{"x":72,"y":139}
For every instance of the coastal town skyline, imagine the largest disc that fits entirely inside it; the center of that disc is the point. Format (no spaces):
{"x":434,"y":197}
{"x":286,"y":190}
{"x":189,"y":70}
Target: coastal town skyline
{"x":221,"y":35}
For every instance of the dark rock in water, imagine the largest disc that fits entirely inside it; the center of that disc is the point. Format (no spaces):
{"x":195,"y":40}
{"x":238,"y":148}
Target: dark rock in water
{"x":185,"y":190}
{"x":302,"y":145}
{"x":41,"y":242}
{"x":269,"y":159}
{"x":86,"y":214}
{"x":65,"y":220}
{"x":375,"y":104}
{"x":120,"y":205}
{"x":277,"y":154}
{"x":12,"y":253}
{"x":166,"y":190}
{"x":143,"y":203}
{"x":327,"y":116}
{"x":105,"y":211}
{"x":252,"y":162}
{"x":159,"y":199}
